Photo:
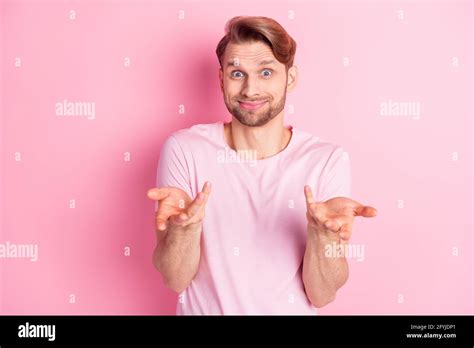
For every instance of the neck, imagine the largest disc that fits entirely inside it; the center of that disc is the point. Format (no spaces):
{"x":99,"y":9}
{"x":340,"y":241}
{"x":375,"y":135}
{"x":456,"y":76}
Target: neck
{"x":266,"y":140}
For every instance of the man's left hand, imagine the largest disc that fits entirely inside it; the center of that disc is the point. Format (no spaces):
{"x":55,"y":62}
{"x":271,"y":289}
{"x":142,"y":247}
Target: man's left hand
{"x":334,"y":218}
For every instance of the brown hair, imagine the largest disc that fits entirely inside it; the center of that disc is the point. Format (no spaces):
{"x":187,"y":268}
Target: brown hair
{"x":251,"y":28}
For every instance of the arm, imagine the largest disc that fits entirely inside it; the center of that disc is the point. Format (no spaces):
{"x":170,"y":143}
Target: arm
{"x":322,"y":275}
{"x":177,"y":252}
{"x":329,"y":223}
{"x":178,"y":230}
{"x":177,"y":255}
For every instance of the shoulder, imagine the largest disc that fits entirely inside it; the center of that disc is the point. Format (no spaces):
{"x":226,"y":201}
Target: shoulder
{"x":196,"y":132}
{"x":317,"y":147}
{"x":187,"y":139}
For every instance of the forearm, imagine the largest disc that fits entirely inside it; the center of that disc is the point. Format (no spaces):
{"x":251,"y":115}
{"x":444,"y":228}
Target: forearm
{"x":322,"y":275}
{"x":177,"y":255}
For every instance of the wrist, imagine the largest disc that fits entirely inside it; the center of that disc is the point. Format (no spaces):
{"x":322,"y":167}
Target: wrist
{"x":188,"y":230}
{"x":323,"y":237}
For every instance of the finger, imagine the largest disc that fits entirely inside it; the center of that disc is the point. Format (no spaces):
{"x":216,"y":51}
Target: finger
{"x":200,"y":201}
{"x":161,"y":221}
{"x":194,"y":212}
{"x":158,"y":194}
{"x":336,"y":223}
{"x":346,"y":231}
{"x":178,"y":218}
{"x":365,"y":211}
{"x":317,"y":213}
{"x":309,"y":196}
{"x":320,"y":211}
{"x":206,"y":188}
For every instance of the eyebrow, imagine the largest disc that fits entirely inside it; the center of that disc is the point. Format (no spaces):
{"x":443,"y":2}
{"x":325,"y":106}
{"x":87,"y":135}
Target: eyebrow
{"x":263,"y":62}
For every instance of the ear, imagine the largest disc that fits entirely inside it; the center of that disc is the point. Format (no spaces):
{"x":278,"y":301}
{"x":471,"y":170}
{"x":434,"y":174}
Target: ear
{"x":221,"y":81}
{"x":292,"y":78}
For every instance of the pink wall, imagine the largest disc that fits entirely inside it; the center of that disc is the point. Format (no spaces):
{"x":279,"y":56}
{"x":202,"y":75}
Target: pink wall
{"x":415,"y":168}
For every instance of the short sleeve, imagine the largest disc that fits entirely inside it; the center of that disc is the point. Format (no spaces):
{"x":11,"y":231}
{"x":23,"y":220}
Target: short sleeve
{"x":335,"y":178}
{"x":172,"y":166}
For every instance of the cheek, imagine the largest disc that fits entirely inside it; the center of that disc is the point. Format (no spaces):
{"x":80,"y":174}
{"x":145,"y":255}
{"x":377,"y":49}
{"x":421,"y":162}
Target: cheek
{"x":276,"y":94}
{"x":276,"y":87}
{"x":281,"y":85}
{"x":231,"y":90}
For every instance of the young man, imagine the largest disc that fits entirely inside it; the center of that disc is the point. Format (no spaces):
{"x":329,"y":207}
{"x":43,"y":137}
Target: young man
{"x":256,"y":244}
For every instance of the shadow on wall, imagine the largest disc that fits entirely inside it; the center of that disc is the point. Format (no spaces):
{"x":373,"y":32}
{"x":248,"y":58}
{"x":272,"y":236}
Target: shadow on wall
{"x":193,"y":83}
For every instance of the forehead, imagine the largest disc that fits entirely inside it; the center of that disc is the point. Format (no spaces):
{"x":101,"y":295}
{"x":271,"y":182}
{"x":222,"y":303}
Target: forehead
{"x":248,"y":54}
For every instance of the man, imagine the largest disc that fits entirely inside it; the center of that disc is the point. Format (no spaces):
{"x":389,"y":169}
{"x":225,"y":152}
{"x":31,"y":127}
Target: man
{"x":256,"y":244}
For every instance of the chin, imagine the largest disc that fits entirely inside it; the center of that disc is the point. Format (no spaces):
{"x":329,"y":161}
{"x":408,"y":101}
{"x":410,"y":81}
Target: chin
{"x":254,"y":122}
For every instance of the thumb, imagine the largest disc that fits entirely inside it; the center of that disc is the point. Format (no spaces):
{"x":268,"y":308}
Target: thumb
{"x":366,"y":211}
{"x":200,"y":201}
{"x":158,"y":194}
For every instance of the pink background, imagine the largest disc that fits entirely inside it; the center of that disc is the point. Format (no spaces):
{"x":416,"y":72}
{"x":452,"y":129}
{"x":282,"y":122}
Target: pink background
{"x":422,"y":55}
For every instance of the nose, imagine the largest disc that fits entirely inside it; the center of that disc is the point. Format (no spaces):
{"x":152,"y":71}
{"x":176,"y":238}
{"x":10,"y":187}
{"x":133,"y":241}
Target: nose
{"x":251,"y":87}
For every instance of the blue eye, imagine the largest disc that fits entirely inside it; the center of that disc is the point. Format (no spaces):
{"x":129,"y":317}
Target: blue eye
{"x":268,"y":71}
{"x":233,"y":74}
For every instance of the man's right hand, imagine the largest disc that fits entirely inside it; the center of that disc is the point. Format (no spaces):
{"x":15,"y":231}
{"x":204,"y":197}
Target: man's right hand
{"x":176,"y":207}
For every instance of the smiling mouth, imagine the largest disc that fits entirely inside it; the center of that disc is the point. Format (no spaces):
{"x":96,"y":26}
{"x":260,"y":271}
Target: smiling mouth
{"x":252,"y":105}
